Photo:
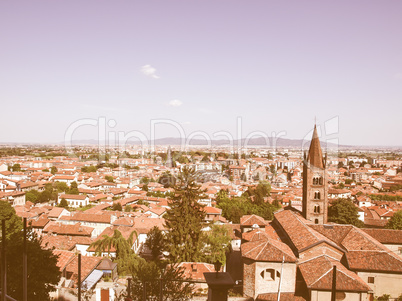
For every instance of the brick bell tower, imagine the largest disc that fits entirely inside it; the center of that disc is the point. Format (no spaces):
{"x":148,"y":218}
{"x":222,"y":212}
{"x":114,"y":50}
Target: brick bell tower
{"x":315,"y":185}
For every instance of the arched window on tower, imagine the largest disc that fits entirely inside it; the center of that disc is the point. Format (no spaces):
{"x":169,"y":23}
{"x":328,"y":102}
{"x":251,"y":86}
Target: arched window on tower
{"x":317,"y":195}
{"x":315,"y":181}
{"x":320,"y":181}
{"x":316,"y":209}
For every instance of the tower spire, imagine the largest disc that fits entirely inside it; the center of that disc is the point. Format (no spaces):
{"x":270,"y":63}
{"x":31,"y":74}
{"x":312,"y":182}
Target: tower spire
{"x":315,"y":153}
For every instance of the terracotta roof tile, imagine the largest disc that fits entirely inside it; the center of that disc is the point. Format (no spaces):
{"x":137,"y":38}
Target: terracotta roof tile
{"x":317,"y":274}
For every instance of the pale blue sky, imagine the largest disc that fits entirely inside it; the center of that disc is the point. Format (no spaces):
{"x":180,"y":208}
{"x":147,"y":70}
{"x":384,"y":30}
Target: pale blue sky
{"x":275,"y":64}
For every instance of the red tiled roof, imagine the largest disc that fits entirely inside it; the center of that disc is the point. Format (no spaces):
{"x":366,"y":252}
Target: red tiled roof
{"x":249,"y":220}
{"x":367,"y":260}
{"x":60,"y":229}
{"x":385,"y":236}
{"x":196,"y":270}
{"x":88,"y":264}
{"x":267,"y":250}
{"x":317,"y":274}
{"x":64,"y":258}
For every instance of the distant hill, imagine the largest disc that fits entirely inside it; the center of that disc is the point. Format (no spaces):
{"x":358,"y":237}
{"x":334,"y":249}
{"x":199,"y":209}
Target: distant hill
{"x":254,"y":142}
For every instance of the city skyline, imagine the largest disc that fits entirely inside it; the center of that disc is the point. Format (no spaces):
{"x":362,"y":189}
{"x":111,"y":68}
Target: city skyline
{"x":277,"y":66}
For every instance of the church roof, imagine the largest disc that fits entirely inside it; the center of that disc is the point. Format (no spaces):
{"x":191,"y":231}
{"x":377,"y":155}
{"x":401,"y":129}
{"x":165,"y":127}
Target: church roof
{"x":315,"y":157}
{"x":317,"y":273}
{"x":267,"y":250}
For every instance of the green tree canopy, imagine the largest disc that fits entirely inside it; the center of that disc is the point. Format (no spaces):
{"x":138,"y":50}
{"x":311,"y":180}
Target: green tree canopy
{"x":53,"y":170}
{"x":43,"y":273}
{"x":217,"y":244}
{"x":156,"y":242}
{"x":125,"y":256}
{"x":343,"y":211}
{"x":117,"y":206}
{"x":167,"y":180}
{"x":395,"y":221}
{"x":109,"y":179}
{"x":184,"y":218}
{"x":170,"y":278}
{"x":63,"y":203}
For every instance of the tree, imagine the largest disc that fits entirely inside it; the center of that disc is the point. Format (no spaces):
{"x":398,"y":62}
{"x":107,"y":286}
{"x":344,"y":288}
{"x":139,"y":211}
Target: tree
{"x":73,"y":188}
{"x":156,"y":242}
{"x":63,"y":203}
{"x":53,"y":170}
{"x":61,"y":186}
{"x":184,"y":218}
{"x":125,"y":256}
{"x":128,"y":208}
{"x":343,"y":211}
{"x":167,"y":180}
{"x":16,"y":167}
{"x":395,"y":221}
{"x":217,"y":244}
{"x":170,"y":278}
{"x":109,"y":179}
{"x":32,"y":196}
{"x":43,"y":273}
{"x":117,"y":206}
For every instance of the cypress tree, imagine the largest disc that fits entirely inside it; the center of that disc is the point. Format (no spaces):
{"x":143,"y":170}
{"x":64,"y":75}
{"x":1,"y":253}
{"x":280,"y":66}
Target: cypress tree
{"x":184,"y":219}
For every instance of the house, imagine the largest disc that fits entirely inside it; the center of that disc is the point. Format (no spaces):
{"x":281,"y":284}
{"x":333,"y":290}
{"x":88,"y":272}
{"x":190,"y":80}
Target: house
{"x":74,"y":200}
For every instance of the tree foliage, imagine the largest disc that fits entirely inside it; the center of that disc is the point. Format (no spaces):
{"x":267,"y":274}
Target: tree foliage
{"x":154,"y":277}
{"x":109,"y":179}
{"x":117,"y":206}
{"x":395,"y":221}
{"x":234,"y":208}
{"x":217,"y":244}
{"x":63,"y":203}
{"x":184,"y":218}
{"x":343,"y":211}
{"x":125,"y":256}
{"x":167,"y":180}
{"x":43,"y":273}
{"x":156,"y":242}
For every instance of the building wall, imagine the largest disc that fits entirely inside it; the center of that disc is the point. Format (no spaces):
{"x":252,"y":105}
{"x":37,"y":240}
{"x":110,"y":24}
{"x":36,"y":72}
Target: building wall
{"x":397,"y":249}
{"x":257,"y":277}
{"x":288,"y":277}
{"x":309,"y":191}
{"x":346,"y":296}
{"x":318,"y":250}
{"x":248,"y":277}
{"x":383,"y":283}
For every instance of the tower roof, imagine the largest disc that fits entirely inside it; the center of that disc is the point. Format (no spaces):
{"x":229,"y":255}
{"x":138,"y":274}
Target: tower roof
{"x":315,"y":157}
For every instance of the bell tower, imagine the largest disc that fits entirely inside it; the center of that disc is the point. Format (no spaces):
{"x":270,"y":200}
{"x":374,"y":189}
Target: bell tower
{"x":315,"y":185}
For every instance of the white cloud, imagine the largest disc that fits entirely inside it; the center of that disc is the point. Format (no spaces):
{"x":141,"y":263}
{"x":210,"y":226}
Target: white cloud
{"x":150,"y":71}
{"x":175,"y":103}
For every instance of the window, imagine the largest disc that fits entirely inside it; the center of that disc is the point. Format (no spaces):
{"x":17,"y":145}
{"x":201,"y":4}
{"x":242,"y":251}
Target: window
{"x":316,"y":221}
{"x":316,"y":209}
{"x":268,"y":274}
{"x":370,"y":280}
{"x":320,"y":181}
{"x":317,"y":195}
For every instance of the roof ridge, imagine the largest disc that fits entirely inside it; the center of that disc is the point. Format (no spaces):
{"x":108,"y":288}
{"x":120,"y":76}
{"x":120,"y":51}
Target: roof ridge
{"x":326,"y":273}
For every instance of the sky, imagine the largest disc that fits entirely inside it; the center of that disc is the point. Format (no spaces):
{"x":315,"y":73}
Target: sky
{"x":200,"y":67}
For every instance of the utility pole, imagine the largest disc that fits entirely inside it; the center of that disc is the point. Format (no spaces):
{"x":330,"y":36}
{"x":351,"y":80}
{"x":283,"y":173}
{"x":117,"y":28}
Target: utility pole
{"x":3,"y":261}
{"x":24,"y":265}
{"x":280,"y":280}
{"x":79,"y":276}
{"x":333,"y":291}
